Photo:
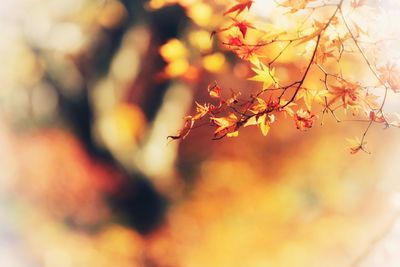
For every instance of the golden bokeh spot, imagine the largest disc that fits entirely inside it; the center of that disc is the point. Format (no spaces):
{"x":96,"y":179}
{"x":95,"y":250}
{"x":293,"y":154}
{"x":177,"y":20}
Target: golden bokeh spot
{"x":173,"y":50}
{"x":200,"y":13}
{"x":121,"y":127}
{"x":200,"y":40}
{"x":113,"y":15}
{"x":214,"y":63}
{"x":177,"y":68}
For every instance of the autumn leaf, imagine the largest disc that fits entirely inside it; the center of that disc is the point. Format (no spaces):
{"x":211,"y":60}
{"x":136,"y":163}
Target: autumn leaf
{"x":250,"y":121}
{"x":245,"y":52}
{"x":318,"y":28}
{"x":295,"y":5}
{"x":234,"y":41}
{"x":201,"y":111}
{"x":264,"y":122}
{"x":243,"y":26}
{"x":346,"y":91}
{"x":242,"y":50}
{"x":263,"y":74}
{"x":226,"y":125}
{"x":357,"y":3}
{"x":390,"y":73}
{"x":309,"y":96}
{"x":214,"y":90}
{"x":396,"y":121}
{"x":377,"y":116}
{"x":189,"y":122}
{"x":304,"y":120}
{"x":330,"y":47}
{"x":259,"y":106}
{"x":356,"y":145}
{"x":234,"y":97}
{"x":286,"y":107}
{"x":240,"y":7}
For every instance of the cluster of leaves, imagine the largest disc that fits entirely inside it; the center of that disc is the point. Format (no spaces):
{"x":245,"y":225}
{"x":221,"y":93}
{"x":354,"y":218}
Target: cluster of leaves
{"x":325,"y":40}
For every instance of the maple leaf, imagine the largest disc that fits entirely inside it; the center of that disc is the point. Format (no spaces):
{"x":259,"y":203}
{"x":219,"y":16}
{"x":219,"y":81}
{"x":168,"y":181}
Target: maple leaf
{"x":390,"y":73}
{"x":240,"y":7}
{"x":242,"y":50}
{"x":214,"y":91}
{"x":309,"y":96}
{"x":243,"y":25}
{"x":201,"y":110}
{"x":287,"y":107}
{"x":370,"y":101}
{"x":189,"y":122}
{"x":234,"y":41}
{"x":259,"y":107}
{"x":245,"y":52}
{"x":356,"y":145}
{"x":226,"y":126}
{"x":346,"y":91}
{"x":264,"y":74}
{"x":395,"y":122}
{"x":377,"y":116}
{"x":324,"y":55}
{"x":234,"y":98}
{"x":327,"y":49}
{"x":357,"y":3}
{"x":217,"y":109}
{"x":295,"y":5}
{"x":304,"y":119}
{"x":318,"y":28}
{"x":264,"y":122}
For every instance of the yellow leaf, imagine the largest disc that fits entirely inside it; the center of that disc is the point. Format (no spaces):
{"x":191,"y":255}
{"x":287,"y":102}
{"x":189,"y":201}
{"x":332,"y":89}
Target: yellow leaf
{"x":259,"y":107}
{"x":225,"y":123}
{"x":263,"y":74}
{"x":250,"y":122}
{"x":263,"y":123}
{"x":319,"y":27}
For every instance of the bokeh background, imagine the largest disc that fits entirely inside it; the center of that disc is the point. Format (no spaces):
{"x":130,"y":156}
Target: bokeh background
{"x":90,"y":89}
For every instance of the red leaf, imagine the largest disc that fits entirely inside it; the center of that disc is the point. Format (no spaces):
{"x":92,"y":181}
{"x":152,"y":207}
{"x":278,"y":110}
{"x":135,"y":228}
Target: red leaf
{"x":234,"y":41}
{"x":242,"y":5}
{"x":243,"y":26}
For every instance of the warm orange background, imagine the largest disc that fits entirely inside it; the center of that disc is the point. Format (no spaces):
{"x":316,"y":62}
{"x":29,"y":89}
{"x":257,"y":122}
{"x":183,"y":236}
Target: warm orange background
{"x":290,"y":199}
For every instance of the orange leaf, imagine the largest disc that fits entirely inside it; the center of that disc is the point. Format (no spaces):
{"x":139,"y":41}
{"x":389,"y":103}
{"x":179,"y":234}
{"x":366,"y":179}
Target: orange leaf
{"x":304,"y":119}
{"x":185,"y":130}
{"x":225,"y":125}
{"x":214,"y":91}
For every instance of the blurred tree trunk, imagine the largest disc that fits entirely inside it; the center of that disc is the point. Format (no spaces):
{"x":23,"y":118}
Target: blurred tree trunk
{"x":137,"y":202}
